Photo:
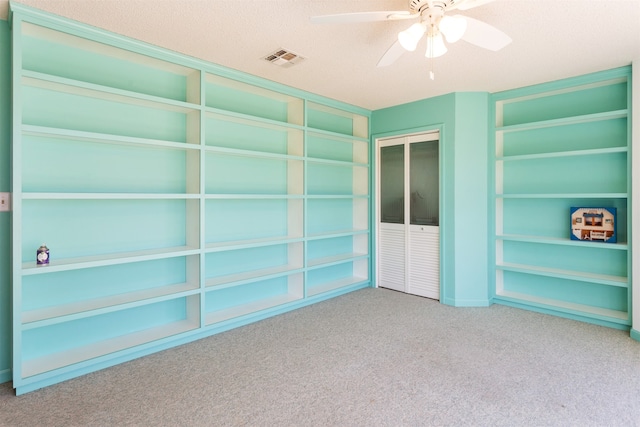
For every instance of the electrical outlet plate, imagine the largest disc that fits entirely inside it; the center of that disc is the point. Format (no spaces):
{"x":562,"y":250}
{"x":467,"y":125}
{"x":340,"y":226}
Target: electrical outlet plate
{"x":5,"y":202}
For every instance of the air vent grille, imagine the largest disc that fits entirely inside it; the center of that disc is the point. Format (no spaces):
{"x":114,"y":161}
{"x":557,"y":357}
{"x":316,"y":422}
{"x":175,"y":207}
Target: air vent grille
{"x":283,"y":58}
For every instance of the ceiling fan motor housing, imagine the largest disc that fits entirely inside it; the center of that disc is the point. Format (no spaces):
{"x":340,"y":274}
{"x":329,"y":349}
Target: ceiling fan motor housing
{"x":421,"y":6}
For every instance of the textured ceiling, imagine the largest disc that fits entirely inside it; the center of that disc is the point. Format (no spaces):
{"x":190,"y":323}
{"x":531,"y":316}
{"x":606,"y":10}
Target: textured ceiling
{"x":552,"y":39}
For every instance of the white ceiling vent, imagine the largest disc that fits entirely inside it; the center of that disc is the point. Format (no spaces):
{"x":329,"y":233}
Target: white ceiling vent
{"x":284,"y":58}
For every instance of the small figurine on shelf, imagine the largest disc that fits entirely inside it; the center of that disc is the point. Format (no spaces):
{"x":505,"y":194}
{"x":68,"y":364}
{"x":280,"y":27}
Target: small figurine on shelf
{"x":42,"y":255}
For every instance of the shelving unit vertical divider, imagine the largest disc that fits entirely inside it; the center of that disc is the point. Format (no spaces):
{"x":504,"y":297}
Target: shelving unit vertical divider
{"x":497,"y":249}
{"x":630,"y":193}
{"x":371,"y":191}
{"x":305,"y":206}
{"x":305,"y":201}
{"x":196,"y":86}
{"x":296,"y":112}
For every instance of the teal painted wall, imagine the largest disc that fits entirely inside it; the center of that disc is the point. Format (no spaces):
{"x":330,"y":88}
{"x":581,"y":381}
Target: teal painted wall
{"x":5,"y":135}
{"x":463,"y":119}
{"x":471,"y":199}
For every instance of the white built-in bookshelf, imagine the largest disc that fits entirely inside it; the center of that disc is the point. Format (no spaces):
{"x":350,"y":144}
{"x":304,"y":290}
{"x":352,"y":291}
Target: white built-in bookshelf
{"x":178,"y":199}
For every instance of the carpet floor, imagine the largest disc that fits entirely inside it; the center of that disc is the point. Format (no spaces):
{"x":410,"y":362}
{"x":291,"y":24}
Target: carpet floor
{"x":373,"y":357}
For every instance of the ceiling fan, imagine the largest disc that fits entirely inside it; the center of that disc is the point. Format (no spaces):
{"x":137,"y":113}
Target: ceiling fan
{"x":433,"y":24}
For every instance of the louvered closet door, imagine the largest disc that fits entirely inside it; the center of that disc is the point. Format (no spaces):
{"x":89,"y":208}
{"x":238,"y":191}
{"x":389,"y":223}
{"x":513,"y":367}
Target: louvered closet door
{"x":391,"y":228}
{"x":408,"y":206}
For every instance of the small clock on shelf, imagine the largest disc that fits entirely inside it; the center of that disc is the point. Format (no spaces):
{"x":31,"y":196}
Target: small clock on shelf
{"x":42,"y":255}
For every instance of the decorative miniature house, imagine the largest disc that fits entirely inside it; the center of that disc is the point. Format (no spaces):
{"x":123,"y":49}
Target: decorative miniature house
{"x":595,"y":224}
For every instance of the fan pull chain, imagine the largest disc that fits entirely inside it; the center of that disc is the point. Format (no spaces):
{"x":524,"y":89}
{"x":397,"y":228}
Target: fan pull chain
{"x":432,"y":75}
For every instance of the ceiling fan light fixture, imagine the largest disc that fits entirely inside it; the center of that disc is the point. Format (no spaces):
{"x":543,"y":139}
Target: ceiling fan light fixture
{"x":410,"y":37}
{"x":453,"y":27}
{"x":434,"y":23}
{"x":435,"y":46}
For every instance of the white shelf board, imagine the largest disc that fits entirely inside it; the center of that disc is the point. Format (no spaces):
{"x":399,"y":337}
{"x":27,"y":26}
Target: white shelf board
{"x":77,"y":87}
{"x":609,"y":115}
{"x":78,"y":135}
{"x":534,"y":93}
{"x":569,"y":307}
{"x":319,"y":160}
{"x":109,"y":196}
{"x":333,"y":285}
{"x":250,"y":243}
{"x":249,"y":308}
{"x":336,"y":233}
{"x":338,"y":196}
{"x":255,"y":119}
{"x":241,"y":278}
{"x":50,"y":362}
{"x":252,"y":196}
{"x":250,"y":153}
{"x":562,"y":241}
{"x":336,"y":136}
{"x":335,"y":259}
{"x":111,"y":303}
{"x":108,"y":259}
{"x":563,"y":196}
{"x":602,"y":279}
{"x":574,"y":153}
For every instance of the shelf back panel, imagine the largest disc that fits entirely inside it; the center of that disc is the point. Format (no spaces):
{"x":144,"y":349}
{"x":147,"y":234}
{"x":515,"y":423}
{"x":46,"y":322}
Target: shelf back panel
{"x":238,"y":296}
{"x":606,"y":173}
{"x":237,"y":261}
{"x":570,"y":291}
{"x":60,"y":337}
{"x":49,"y":108}
{"x":329,"y":179}
{"x":245,"y":102}
{"x":324,"y":120}
{"x":552,"y":217}
{"x":327,"y":215}
{"x":228,"y":174}
{"x":343,"y":245}
{"x":75,"y":286}
{"x":72,"y":166}
{"x":581,"y":136}
{"x":243,"y":135}
{"x":598,"y":99}
{"x":333,"y":273}
{"x":77,"y":228}
{"x":237,"y":220}
{"x":324,"y":147}
{"x":89,"y":64}
{"x":587,"y":259}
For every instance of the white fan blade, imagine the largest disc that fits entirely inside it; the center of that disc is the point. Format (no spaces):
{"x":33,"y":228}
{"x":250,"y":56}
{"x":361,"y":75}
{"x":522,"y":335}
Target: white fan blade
{"x":484,"y":35}
{"x":470,"y":4}
{"x":346,"y":18}
{"x":391,"y":55}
